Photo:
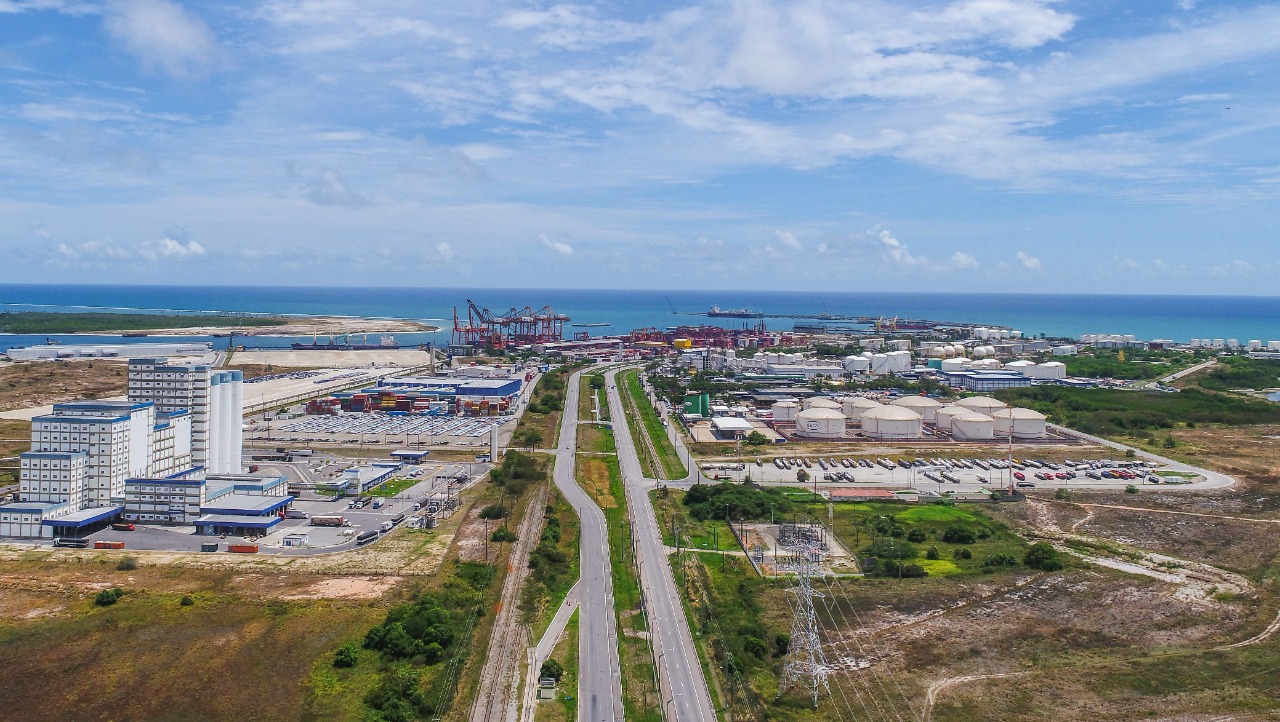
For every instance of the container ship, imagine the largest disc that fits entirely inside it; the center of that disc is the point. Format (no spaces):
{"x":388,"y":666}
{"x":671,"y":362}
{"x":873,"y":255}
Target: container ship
{"x":344,"y":343}
{"x":717,"y":312}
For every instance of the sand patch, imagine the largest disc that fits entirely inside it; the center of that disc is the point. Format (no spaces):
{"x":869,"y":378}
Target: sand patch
{"x":347,"y":588}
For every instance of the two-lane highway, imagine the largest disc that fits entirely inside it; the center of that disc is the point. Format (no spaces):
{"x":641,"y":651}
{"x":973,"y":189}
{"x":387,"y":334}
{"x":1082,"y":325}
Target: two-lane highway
{"x":684,"y":687}
{"x":600,"y":677}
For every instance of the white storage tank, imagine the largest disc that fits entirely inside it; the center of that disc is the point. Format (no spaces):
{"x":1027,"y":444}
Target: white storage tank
{"x":937,"y":352}
{"x":853,"y":407}
{"x":821,"y":402}
{"x":972,"y":426}
{"x":945,"y":414}
{"x":1050,"y":370}
{"x":1025,"y":423}
{"x":1021,"y":366}
{"x":880,"y":364}
{"x":923,"y":406}
{"x":892,"y":422}
{"x":954,"y":364}
{"x":820,"y":423}
{"x":899,"y":362}
{"x":856,"y":364}
{"x":785,"y":411}
{"x":982,"y":404}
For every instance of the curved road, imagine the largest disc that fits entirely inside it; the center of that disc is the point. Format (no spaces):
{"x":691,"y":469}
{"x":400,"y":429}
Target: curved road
{"x":684,"y":687}
{"x":599,"y":673}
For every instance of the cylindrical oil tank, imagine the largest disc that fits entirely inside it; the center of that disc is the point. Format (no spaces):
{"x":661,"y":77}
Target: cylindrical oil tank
{"x":981,"y":404}
{"x":1024,"y":423}
{"x":972,"y":426}
{"x":853,"y":407}
{"x":892,"y":422}
{"x":785,"y":411}
{"x":820,"y":423}
{"x":821,"y":402}
{"x":925,"y":407}
{"x":945,"y":414}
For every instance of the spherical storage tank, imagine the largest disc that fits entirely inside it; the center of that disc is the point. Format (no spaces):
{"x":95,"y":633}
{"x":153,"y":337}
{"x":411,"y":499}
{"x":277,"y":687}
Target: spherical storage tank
{"x":1026,"y":424}
{"x":892,"y":422}
{"x":925,"y":407}
{"x":972,"y":426}
{"x":944,"y":415}
{"x":820,"y":423}
{"x":785,"y":411}
{"x":981,"y":404}
{"x":853,"y":407}
{"x":820,"y":402}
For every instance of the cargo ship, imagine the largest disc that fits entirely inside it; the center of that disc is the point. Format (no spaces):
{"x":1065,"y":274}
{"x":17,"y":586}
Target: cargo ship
{"x":717,"y":312}
{"x":344,"y":343}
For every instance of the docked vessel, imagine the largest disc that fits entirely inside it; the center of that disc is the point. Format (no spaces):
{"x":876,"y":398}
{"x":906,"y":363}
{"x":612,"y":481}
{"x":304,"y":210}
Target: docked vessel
{"x":717,"y":312}
{"x":343,"y":343}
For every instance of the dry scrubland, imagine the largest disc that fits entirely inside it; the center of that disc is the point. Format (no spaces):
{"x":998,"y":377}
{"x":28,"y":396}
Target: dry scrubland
{"x":23,"y":385}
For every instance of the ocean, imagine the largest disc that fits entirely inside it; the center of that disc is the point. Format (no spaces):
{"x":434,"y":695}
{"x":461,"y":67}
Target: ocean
{"x":1180,"y":318}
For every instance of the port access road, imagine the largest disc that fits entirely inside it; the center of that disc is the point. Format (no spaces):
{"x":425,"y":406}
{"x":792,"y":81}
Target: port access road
{"x":683,"y":685}
{"x":600,"y":674}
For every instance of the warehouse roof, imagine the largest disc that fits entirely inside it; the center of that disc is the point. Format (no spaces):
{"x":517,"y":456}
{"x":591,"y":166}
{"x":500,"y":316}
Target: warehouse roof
{"x":246,"y":504}
{"x":731,"y":423}
{"x":84,"y":517}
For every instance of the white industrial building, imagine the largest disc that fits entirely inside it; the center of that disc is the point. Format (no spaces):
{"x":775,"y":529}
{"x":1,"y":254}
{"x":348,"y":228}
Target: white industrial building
{"x":892,"y":422}
{"x":820,"y":423}
{"x":214,"y":398}
{"x":47,"y":352}
{"x":1022,"y":423}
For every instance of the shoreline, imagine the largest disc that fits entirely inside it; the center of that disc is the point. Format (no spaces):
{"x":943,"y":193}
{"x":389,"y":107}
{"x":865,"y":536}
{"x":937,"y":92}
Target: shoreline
{"x":292,"y":326}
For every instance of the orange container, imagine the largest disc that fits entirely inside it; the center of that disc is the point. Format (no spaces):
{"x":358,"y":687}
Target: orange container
{"x":243,"y":548}
{"x":108,"y":545}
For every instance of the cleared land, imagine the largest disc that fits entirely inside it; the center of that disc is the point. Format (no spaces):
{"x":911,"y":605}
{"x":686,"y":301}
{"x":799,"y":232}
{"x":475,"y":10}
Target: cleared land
{"x":330,"y":359}
{"x":23,"y":385}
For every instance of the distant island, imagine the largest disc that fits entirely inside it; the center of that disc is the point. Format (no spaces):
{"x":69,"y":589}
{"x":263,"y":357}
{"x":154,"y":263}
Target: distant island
{"x":38,"y":322}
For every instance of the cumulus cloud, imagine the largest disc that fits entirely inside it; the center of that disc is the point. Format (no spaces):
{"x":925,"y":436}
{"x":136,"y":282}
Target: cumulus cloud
{"x":963,"y":261}
{"x":788,"y":240}
{"x":444,"y":252}
{"x":101,"y":249}
{"x":169,"y":248}
{"x":328,"y":188}
{"x":163,"y":35}
{"x":1029,"y":262}
{"x":166,"y":248}
{"x":895,"y":250}
{"x":564,"y":249}
{"x":1233,"y":268}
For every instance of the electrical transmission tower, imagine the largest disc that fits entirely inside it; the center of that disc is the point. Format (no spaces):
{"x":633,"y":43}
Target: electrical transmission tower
{"x":806,"y":665}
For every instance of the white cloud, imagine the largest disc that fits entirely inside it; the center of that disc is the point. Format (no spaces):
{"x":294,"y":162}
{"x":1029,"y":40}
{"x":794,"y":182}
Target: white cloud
{"x":895,"y":250}
{"x":1029,"y":262}
{"x":788,"y":240}
{"x":1233,"y":268}
{"x":163,"y":35}
{"x":1019,"y":24}
{"x":328,"y":188}
{"x":168,"y":248}
{"x":444,"y":252}
{"x":964,"y":261}
{"x":104,"y":249}
{"x":564,"y":249}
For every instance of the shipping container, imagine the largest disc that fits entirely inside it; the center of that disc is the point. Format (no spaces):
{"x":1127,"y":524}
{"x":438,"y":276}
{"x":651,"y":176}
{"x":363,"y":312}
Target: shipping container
{"x":243,"y":548}
{"x":108,"y":545}
{"x":209,"y":546}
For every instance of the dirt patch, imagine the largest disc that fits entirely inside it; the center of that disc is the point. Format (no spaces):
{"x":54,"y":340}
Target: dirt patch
{"x":593,"y":474}
{"x":347,"y":588}
{"x":23,"y":385}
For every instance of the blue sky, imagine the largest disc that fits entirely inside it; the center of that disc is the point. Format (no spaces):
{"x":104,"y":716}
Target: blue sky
{"x":971,"y":145}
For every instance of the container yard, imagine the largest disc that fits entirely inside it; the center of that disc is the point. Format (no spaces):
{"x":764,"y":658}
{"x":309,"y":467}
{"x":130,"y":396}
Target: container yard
{"x":381,"y":425}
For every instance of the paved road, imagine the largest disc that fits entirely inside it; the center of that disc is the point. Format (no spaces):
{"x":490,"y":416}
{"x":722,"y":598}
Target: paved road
{"x":600,"y":677}
{"x":684,"y":687}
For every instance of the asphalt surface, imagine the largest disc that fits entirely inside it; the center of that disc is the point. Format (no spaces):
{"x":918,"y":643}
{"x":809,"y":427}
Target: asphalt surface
{"x":599,"y":672}
{"x":683,"y":685}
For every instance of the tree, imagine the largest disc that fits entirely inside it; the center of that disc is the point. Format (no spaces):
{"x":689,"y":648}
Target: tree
{"x":551,"y":669}
{"x":531,"y":438}
{"x":802,"y":476}
{"x":346,"y":656}
{"x":781,"y":643}
{"x":755,"y":438}
{"x":932,"y":553}
{"x":917,"y":535}
{"x":1044,"y":557}
{"x":956,"y":534}
{"x":756,"y":646}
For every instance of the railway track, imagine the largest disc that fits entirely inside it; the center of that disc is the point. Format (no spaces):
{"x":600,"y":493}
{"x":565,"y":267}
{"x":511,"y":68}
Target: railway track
{"x":497,"y":697}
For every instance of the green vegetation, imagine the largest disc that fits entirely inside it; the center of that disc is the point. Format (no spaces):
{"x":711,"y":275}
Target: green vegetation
{"x":565,"y":654}
{"x":503,"y":534}
{"x":1138,"y":365}
{"x":518,"y":472}
{"x":668,"y":464}
{"x":107,"y":597}
{"x":694,"y":533}
{"x":545,"y":406}
{"x":553,"y":564}
{"x":1111,"y":412}
{"x":1044,"y":557}
{"x":348,"y":655}
{"x":393,"y":487}
{"x":424,"y":643}
{"x":38,"y":322}
{"x":127,"y":564}
{"x":734,"y":502}
{"x":1240,"y":372}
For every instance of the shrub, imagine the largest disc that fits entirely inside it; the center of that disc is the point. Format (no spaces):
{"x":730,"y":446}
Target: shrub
{"x":186,"y":601}
{"x":1062,"y":494}
{"x":503,"y":535}
{"x":127,"y":564}
{"x":781,"y":643}
{"x":1000,"y":560}
{"x":551,"y":668}
{"x":956,"y":534}
{"x":962,"y":553}
{"x":1131,"y":489}
{"x":493,"y":511}
{"x":932,"y":553}
{"x":346,"y":656}
{"x":1043,"y":556}
{"x":756,"y":646}
{"x":107,"y":597}
{"x":917,"y":535}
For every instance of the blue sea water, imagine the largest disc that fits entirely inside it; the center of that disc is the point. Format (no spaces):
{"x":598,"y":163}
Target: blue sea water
{"x":1180,"y":318}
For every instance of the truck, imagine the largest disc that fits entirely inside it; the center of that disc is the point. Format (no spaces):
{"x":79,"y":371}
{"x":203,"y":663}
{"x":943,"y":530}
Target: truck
{"x":122,"y":526}
{"x":367,"y":536}
{"x":328,"y":520}
{"x":386,"y":526}
{"x":295,"y":514}
{"x":378,"y":502}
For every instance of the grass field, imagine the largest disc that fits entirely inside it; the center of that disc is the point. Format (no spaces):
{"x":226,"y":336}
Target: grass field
{"x":554,"y":563}
{"x":393,"y":487}
{"x":543,"y":413}
{"x":694,"y":533}
{"x":44,"y":322}
{"x":565,"y":706}
{"x":643,"y":419}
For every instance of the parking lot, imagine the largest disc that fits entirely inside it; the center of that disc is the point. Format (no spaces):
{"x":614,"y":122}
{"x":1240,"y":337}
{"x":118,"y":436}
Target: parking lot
{"x":348,"y":428}
{"x":941,"y":474}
